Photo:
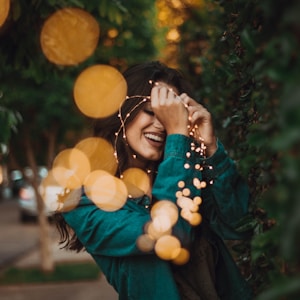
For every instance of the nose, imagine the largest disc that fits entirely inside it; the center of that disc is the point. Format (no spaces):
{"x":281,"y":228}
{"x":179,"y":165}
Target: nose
{"x":157,"y":124}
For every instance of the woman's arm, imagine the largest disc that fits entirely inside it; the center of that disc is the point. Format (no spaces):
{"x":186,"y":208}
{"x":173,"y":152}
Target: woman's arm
{"x":108,"y":233}
{"x":115,"y":233}
{"x":226,"y":200}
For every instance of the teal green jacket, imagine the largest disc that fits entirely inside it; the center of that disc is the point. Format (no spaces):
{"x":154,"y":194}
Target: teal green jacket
{"x":110,"y":237}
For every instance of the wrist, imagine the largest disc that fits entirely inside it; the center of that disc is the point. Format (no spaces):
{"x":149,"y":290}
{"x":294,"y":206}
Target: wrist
{"x":211,"y":148}
{"x":182,"y":131}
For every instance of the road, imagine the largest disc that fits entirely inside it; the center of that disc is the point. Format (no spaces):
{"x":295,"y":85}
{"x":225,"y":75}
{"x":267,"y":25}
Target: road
{"x":19,"y":242}
{"x":16,"y":239}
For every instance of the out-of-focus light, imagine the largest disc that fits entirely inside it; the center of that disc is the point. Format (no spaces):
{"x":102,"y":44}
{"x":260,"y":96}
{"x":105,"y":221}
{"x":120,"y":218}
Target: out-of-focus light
{"x":173,"y":35}
{"x":26,"y":193}
{"x":70,"y":167}
{"x":112,"y":33}
{"x":99,"y":91}
{"x":100,"y":154}
{"x":105,"y":190}
{"x":167,"y":247}
{"x":69,"y":36}
{"x":137,"y":182}
{"x":4,"y":10}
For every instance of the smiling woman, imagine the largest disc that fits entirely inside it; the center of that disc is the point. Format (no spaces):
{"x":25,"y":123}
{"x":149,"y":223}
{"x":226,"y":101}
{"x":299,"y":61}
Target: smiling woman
{"x":146,"y":135}
{"x":166,"y":240}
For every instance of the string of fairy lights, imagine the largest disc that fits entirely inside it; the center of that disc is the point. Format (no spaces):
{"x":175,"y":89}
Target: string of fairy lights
{"x":79,"y":167}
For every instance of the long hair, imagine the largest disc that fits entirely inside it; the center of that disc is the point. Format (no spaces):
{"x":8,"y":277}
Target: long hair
{"x":138,"y":78}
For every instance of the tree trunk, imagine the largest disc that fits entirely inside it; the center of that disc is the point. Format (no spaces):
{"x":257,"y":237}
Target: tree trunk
{"x":47,"y":262}
{"x":51,"y":136}
{"x":45,"y":242}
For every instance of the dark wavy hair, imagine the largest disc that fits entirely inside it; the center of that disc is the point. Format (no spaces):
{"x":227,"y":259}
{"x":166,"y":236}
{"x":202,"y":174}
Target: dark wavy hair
{"x":138,"y":78}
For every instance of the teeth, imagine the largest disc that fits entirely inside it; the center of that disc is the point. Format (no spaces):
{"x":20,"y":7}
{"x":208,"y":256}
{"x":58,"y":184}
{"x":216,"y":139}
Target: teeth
{"x":154,"y":137}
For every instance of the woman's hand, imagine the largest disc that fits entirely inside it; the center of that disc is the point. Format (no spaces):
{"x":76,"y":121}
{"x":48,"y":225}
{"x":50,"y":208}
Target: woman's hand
{"x":201,"y":124}
{"x":169,"y":109}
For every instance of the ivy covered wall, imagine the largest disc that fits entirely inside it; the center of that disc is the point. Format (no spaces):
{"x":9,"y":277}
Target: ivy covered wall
{"x":243,"y":57}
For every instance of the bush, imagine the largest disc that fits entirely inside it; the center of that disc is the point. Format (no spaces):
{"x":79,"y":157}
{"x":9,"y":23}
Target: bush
{"x":244,"y":59}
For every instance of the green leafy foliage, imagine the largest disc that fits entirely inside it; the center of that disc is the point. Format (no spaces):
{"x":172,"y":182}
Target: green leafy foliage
{"x":62,"y":273}
{"x":243,"y":57}
{"x":40,"y":91}
{"x":8,"y":124}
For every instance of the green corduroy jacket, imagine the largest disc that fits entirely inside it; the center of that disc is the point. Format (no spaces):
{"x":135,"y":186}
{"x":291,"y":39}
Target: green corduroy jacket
{"x":110,"y":237}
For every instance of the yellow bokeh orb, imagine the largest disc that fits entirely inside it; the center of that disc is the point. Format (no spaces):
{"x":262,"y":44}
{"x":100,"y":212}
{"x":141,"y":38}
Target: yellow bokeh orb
{"x":68,"y":200}
{"x":182,"y":256}
{"x":154,"y":232}
{"x":165,"y":208}
{"x":137,"y":182}
{"x":99,"y":91}
{"x":108,"y":192}
{"x":100,"y":154}
{"x":70,"y":167}
{"x":69,"y":36}
{"x":4,"y":10}
{"x":145,"y":243}
{"x":195,"y":219}
{"x":167,"y":247}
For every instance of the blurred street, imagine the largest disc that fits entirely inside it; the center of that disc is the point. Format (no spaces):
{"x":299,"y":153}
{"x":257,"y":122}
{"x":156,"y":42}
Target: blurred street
{"x":19,"y":247}
{"x":16,"y":238}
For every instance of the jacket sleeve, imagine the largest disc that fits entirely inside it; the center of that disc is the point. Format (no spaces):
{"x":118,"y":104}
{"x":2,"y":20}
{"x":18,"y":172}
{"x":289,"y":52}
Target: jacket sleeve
{"x":108,"y":233}
{"x":115,"y":233}
{"x":178,"y":165}
{"x":226,"y":200}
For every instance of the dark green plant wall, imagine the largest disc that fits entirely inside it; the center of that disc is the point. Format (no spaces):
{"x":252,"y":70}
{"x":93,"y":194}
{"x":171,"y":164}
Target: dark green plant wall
{"x":243,"y":58}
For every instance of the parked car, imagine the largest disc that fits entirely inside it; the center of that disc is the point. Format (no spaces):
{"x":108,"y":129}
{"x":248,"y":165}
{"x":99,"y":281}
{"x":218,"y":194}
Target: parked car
{"x":28,"y":207}
{"x":17,"y":181}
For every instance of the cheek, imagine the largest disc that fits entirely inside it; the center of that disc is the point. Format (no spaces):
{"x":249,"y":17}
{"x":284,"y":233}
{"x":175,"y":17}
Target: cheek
{"x":133,"y":134}
{"x":130,"y":137}
{"x":134,"y":128}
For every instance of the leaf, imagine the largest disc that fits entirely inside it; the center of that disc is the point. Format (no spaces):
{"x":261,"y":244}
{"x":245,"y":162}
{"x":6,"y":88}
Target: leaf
{"x":263,"y":242}
{"x":289,"y":288}
{"x":247,"y":41}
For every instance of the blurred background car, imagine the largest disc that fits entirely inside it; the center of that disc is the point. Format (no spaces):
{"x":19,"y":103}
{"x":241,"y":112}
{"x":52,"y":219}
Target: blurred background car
{"x":27,"y":201}
{"x":17,"y":181}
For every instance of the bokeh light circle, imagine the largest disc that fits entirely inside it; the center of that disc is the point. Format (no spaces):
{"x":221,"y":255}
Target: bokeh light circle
{"x":4,"y":10}
{"x":182,"y":257}
{"x":145,"y":243}
{"x":70,"y":167}
{"x":167,"y":247}
{"x":195,"y":219}
{"x":69,"y":36}
{"x":154,"y":232}
{"x":99,"y":91}
{"x":187,"y":203}
{"x":68,"y":200}
{"x":108,"y":192}
{"x":49,"y":190}
{"x":100,"y":154}
{"x":165,"y":209}
{"x":137,"y":182}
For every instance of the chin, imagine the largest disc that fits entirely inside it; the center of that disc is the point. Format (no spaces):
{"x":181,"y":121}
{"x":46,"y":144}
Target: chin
{"x":156,"y":157}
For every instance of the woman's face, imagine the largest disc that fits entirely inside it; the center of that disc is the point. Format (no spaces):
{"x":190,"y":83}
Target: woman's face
{"x":146,"y":135}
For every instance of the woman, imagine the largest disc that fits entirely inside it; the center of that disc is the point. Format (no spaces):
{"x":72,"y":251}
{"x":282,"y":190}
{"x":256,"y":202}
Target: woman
{"x":154,"y":131}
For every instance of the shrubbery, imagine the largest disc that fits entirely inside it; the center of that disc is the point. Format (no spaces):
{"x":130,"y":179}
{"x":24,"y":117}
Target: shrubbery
{"x":244,"y":59}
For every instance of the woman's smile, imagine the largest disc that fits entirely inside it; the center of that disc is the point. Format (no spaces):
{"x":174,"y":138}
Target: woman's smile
{"x":155,"y":139}
{"x":146,"y":135}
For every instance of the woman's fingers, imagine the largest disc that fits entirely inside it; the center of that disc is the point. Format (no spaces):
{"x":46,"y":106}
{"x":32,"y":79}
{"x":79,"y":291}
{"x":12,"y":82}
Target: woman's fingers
{"x":169,"y":109}
{"x":180,"y":114}
{"x":201,"y":123}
